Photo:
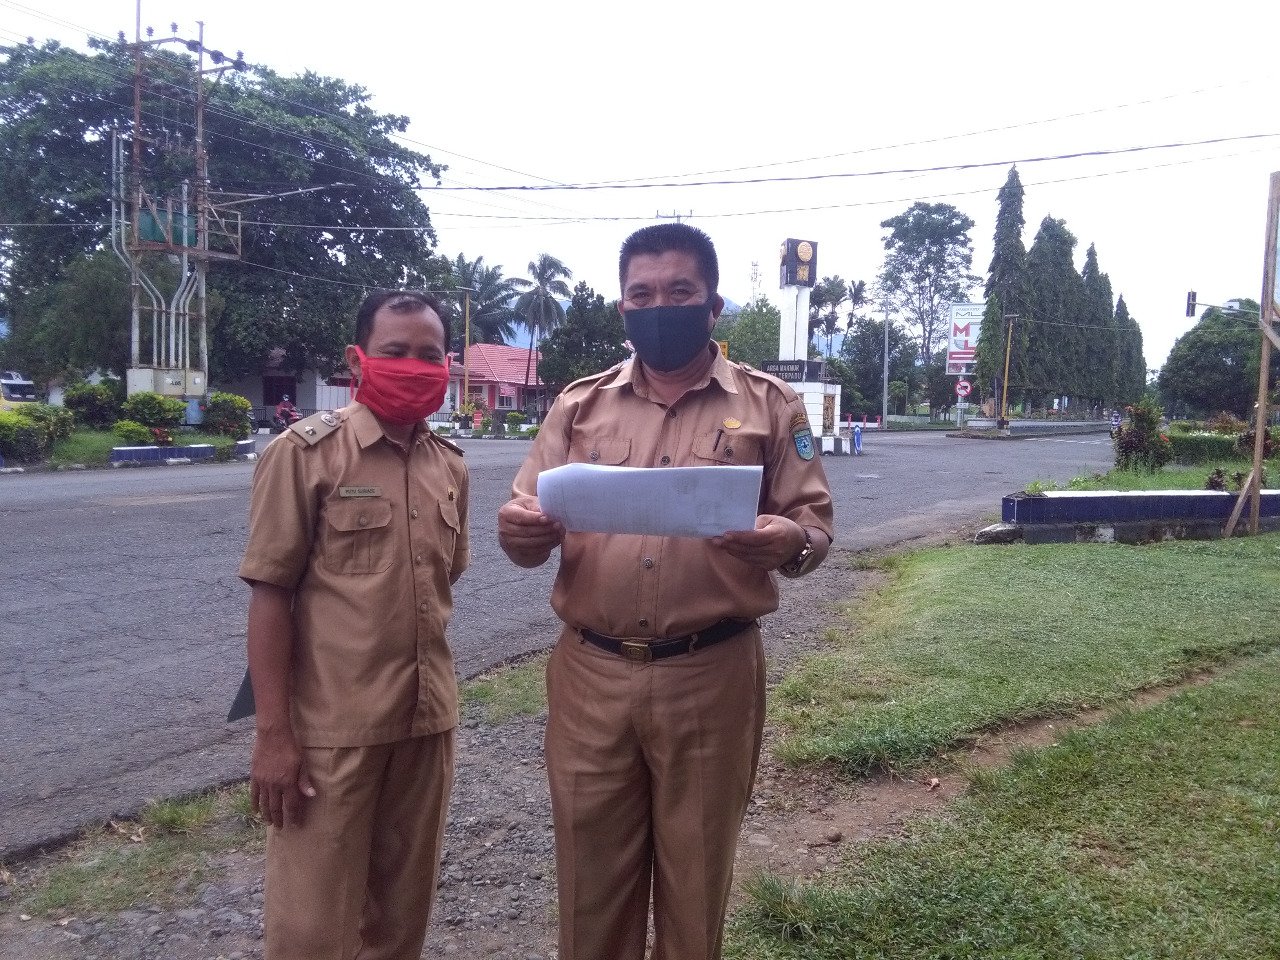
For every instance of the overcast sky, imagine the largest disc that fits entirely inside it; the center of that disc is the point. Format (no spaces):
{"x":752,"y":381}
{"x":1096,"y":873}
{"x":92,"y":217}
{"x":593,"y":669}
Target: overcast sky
{"x":580,"y":92}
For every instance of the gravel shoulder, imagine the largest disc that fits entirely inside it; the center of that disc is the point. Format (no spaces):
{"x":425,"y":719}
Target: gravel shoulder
{"x":497,"y":896}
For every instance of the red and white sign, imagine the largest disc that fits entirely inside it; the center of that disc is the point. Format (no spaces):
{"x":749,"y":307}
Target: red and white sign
{"x":962,"y":343}
{"x":962,"y":388}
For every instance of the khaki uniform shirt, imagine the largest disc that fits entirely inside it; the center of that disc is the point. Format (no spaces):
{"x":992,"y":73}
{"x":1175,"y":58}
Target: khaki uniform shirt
{"x":370,"y":539}
{"x":647,"y":587}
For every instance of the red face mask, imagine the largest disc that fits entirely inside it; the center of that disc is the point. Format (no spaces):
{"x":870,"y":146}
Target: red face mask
{"x":402,"y":390}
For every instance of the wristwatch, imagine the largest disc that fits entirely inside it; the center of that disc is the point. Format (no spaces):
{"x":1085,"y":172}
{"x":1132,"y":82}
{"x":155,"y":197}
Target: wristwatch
{"x":797,"y":564}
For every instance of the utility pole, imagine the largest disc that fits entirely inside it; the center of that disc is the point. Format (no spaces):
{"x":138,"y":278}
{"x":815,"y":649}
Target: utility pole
{"x":884,"y":393}
{"x":144,"y":222}
{"x":1009,"y":319}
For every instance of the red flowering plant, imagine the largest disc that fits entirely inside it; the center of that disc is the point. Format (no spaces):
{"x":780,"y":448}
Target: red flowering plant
{"x":161,"y":437}
{"x":1139,"y":444}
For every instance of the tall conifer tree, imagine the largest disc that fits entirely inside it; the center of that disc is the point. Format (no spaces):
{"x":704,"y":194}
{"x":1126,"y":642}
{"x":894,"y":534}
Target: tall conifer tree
{"x":1006,"y":289}
{"x":1055,"y":361}
{"x":1104,"y":341}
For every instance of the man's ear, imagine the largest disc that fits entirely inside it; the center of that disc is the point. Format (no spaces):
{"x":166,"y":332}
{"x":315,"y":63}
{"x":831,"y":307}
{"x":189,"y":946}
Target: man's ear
{"x":717,"y":307}
{"x":353,"y":361}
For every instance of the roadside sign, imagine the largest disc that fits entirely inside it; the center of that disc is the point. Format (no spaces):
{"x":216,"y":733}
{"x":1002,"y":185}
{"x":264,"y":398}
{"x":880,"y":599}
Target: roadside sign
{"x":962,"y":388}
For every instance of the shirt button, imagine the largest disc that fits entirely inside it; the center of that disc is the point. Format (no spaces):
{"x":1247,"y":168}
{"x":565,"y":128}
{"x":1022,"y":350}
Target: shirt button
{"x":418,"y":559}
{"x":648,"y":563}
{"x":423,"y":607}
{"x":728,"y":451}
{"x":595,"y":455}
{"x":665,"y":460}
{"x":363,"y":520}
{"x":671,"y":414}
{"x":644,"y":623}
{"x":413,"y":514}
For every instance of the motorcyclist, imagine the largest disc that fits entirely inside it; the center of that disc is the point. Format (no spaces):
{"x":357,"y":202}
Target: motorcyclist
{"x":286,"y":413}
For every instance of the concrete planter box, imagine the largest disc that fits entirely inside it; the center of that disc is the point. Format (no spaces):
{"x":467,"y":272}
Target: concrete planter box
{"x":1039,"y":428}
{"x":194,"y":452}
{"x":1064,"y":516}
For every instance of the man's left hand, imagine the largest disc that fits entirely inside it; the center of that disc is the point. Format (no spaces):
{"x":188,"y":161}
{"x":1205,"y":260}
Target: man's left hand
{"x":773,"y":542}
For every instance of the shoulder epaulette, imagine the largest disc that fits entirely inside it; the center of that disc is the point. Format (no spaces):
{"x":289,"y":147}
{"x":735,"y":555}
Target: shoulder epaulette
{"x":316,"y":427}
{"x":448,"y":444}
{"x":582,"y":381}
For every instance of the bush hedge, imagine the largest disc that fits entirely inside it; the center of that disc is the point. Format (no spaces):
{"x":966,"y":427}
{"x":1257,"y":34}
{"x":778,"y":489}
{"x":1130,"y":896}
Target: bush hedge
{"x":95,"y":405}
{"x":22,"y":438}
{"x":153,"y":410}
{"x":228,"y":415}
{"x":133,"y":434}
{"x":59,"y":421}
{"x":1202,"y":447}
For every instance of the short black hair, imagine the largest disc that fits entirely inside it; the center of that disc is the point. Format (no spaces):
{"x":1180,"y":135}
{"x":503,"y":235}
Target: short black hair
{"x":400,"y":301}
{"x":661,"y":237}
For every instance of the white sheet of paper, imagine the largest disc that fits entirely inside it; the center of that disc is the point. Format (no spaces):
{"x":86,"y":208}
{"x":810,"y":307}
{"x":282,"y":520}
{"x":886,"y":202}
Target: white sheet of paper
{"x":661,"y":501}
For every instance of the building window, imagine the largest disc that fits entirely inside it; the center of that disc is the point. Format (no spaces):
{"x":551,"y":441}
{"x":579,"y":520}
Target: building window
{"x":506,"y":403}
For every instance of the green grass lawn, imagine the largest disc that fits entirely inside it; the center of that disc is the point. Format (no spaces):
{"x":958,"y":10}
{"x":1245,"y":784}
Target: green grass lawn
{"x":1171,"y":477}
{"x":93,"y":447}
{"x":968,"y":638}
{"x":1154,"y":835}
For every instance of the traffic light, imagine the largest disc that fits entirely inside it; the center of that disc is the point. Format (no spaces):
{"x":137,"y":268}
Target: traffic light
{"x":1191,"y":303}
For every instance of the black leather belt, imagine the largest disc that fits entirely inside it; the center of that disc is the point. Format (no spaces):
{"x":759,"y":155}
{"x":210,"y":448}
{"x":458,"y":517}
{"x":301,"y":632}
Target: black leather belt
{"x":644,"y":652}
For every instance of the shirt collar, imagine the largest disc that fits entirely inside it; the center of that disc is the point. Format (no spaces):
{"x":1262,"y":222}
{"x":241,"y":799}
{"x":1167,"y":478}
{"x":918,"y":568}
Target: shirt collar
{"x":719,"y":371}
{"x":369,"y":431}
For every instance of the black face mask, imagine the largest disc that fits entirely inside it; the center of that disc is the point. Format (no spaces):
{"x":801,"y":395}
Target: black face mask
{"x":667,"y":338}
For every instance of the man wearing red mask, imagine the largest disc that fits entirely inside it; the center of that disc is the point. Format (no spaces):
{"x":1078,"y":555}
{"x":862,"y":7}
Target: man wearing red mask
{"x":357,"y":532}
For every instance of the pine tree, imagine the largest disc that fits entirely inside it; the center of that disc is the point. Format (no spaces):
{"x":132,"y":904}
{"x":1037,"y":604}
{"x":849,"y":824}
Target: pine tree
{"x":1131,"y":364}
{"x":1104,"y":342}
{"x":1055,"y":347}
{"x":1006,"y":290}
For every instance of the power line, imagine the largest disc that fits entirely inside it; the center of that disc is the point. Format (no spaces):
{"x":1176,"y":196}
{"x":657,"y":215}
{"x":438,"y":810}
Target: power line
{"x":941,"y":168}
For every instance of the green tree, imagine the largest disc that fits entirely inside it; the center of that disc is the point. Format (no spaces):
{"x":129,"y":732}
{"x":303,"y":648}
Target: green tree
{"x":1055,"y":358}
{"x":928,"y":255}
{"x":492,"y":312}
{"x":538,"y":305}
{"x":307,"y":258}
{"x":859,"y":365}
{"x":1103,"y":341}
{"x":590,"y":340}
{"x":1130,"y":366}
{"x":752,"y":332}
{"x":1005,"y":292}
{"x":825,"y":300}
{"x":1214,"y":365}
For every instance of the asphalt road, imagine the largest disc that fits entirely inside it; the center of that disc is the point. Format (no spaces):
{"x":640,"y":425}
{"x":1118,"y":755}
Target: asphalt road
{"x":122,"y":619}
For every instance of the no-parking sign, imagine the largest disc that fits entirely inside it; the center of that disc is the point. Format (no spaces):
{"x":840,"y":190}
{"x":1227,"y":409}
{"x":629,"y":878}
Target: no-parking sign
{"x":962,"y":388}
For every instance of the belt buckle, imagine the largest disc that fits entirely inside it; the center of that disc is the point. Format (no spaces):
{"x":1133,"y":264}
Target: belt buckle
{"x":636,"y":652}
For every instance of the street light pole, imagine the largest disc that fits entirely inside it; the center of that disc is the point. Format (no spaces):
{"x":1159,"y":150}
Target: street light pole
{"x":466,"y":343}
{"x":1004,"y":384}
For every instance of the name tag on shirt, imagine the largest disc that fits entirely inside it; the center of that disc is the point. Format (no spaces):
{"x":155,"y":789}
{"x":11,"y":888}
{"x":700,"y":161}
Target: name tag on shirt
{"x":359,"y":491}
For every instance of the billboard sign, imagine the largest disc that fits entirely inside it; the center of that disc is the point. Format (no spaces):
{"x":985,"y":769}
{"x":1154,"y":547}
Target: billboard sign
{"x":964,"y":325}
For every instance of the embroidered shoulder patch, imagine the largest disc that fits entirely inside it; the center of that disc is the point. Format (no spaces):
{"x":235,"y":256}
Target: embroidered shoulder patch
{"x":803,"y":437}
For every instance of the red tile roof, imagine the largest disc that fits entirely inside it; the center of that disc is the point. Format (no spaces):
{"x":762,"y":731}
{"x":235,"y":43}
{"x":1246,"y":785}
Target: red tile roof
{"x":498,"y":363}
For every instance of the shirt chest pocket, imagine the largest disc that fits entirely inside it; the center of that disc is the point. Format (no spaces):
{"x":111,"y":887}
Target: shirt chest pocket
{"x":356,"y":536}
{"x":602,"y":450}
{"x":728,"y":449}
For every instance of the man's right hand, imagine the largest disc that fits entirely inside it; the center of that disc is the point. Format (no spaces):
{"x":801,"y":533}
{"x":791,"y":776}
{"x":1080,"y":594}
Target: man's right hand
{"x":525,"y":533}
{"x":278,"y":781}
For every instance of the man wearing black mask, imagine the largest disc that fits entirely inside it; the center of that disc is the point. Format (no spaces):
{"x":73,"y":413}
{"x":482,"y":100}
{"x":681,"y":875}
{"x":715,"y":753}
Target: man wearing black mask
{"x":656,"y":686}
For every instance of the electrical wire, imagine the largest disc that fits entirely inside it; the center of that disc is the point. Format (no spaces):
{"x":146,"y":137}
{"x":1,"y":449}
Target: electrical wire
{"x":940,"y":168}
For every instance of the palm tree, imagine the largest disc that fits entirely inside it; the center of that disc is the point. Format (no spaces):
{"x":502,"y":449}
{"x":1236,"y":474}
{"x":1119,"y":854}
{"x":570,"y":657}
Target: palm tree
{"x":538,"y":305}
{"x":492,"y":314}
{"x":857,"y":300}
{"x":824,"y":307}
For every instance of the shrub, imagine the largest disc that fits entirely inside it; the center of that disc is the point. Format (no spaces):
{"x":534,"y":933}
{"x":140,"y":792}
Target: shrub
{"x":1139,"y":444}
{"x":1244,"y":443}
{"x":95,"y":405}
{"x":153,"y":410}
{"x":59,"y":421}
{"x":515,"y":418}
{"x":531,"y":433}
{"x":228,"y":415}
{"x":133,"y":434}
{"x":1202,"y":447}
{"x":22,"y":438}
{"x":1226,"y":422}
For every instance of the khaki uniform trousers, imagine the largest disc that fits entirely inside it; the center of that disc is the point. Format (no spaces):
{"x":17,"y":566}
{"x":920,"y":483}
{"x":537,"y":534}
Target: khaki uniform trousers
{"x":651,"y":768}
{"x":357,"y":878}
